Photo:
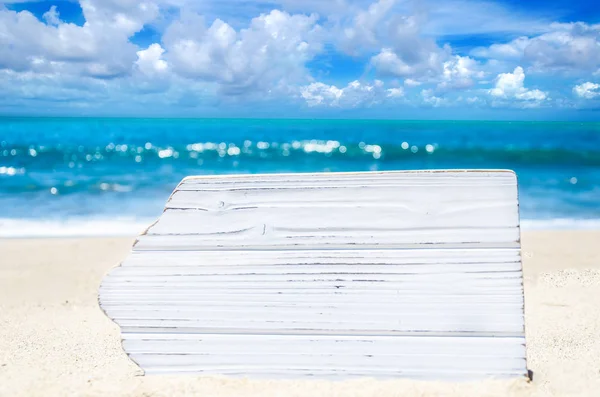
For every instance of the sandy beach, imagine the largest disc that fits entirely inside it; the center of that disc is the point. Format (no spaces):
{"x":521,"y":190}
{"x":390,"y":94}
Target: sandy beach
{"x":55,"y":340}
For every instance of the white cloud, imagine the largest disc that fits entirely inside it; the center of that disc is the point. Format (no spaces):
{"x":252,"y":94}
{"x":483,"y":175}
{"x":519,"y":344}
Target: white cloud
{"x":461,"y":67}
{"x":53,"y":87}
{"x":406,"y":52}
{"x":391,"y":33}
{"x":123,"y":16}
{"x":474,"y":100}
{"x":367,"y":21}
{"x":404,"y":36}
{"x":459,"y":73}
{"x":448,"y":18}
{"x":387,"y":62}
{"x":269,"y":55}
{"x":412,"y":83}
{"x":51,"y":16}
{"x":587,"y":90}
{"x":100,"y":48}
{"x":358,"y":94}
{"x":150,"y":60}
{"x":272,"y":52}
{"x":570,"y":46}
{"x":410,"y":54}
{"x":321,"y":94}
{"x":234,"y":59}
{"x":365,"y":26}
{"x":510,"y":86}
{"x":443,"y":18}
{"x":448,"y":71}
{"x":355,"y":94}
{"x":395,"y":92}
{"x":408,"y":62}
{"x":430,"y":98}
{"x":512,"y":50}
{"x":566,"y":47}
{"x":509,"y":83}
{"x":535,"y":95}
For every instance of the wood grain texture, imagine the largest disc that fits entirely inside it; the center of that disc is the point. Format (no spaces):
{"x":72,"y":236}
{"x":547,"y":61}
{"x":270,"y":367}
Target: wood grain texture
{"x":334,"y":275}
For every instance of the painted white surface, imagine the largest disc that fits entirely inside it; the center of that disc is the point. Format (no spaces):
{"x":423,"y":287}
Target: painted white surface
{"x":389,"y":274}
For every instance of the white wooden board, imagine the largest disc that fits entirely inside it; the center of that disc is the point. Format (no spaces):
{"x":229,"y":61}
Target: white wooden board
{"x":335,"y":275}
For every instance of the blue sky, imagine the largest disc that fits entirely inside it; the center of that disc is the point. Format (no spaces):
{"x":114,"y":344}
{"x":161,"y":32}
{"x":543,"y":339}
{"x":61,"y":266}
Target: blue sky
{"x":454,"y":59}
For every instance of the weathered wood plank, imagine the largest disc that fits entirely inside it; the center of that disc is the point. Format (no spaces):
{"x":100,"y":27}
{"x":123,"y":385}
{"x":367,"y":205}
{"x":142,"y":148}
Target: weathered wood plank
{"x":442,"y":323}
{"x":457,"y":178}
{"x":382,"y":274}
{"x":253,"y":239}
{"x":359,"y":334}
{"x":416,"y":198}
{"x":296,"y":314}
{"x":201,"y":308}
{"x":483,"y":286}
{"x":474,"y":278}
{"x":322,"y":257}
{"x":337,"y":362}
{"x":242,"y":269}
{"x":325,"y":344}
{"x":391,"y":300}
{"x":268,"y":372}
{"x":266,"y":223}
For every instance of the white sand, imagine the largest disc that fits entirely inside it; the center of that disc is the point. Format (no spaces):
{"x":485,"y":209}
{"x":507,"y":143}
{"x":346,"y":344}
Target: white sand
{"x":55,"y":341}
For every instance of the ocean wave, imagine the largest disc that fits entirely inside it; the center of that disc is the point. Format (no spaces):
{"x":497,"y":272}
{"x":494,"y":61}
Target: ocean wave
{"x":560,"y":223}
{"x":83,"y":170}
{"x":76,"y":227}
{"x":120,"y":169}
{"x":71,"y":156}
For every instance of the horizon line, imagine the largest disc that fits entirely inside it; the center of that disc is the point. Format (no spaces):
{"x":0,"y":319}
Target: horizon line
{"x":293,"y":119}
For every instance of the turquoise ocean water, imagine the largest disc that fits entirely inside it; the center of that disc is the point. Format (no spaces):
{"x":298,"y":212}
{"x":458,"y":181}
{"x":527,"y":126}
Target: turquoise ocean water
{"x":77,"y":176}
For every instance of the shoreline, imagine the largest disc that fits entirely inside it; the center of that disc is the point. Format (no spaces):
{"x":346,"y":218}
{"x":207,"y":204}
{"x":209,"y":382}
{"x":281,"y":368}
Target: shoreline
{"x":133,"y":237}
{"x":100,"y":228}
{"x":55,"y":339}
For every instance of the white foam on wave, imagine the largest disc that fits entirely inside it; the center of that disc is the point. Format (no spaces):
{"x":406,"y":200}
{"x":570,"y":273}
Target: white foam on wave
{"x":85,"y":227}
{"x":79,"y":227}
{"x":560,"y":224}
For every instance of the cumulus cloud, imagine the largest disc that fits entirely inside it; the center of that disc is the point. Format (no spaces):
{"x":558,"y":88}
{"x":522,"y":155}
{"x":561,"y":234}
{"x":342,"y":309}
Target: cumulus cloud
{"x":355,"y":94}
{"x":321,"y":94}
{"x":396,"y":92}
{"x":100,"y":48}
{"x":52,"y":87}
{"x":409,"y":54}
{"x":280,"y":55}
{"x":459,"y":72}
{"x":391,"y":35}
{"x":51,"y":16}
{"x":272,"y":52}
{"x":513,"y":50}
{"x":412,"y":83}
{"x":450,"y":72}
{"x":150,"y":60}
{"x":511,"y":86}
{"x":484,"y":17}
{"x":400,"y":63}
{"x":365,"y":28}
{"x":570,"y":46}
{"x":566,"y":47}
{"x":587,"y":90}
{"x":431,"y":99}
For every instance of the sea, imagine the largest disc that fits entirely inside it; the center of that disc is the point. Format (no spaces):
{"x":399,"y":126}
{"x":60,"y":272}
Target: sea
{"x":112,"y":176}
